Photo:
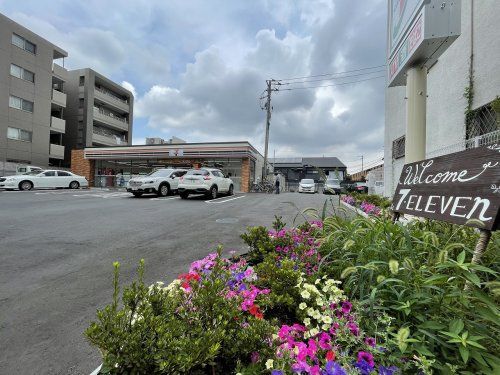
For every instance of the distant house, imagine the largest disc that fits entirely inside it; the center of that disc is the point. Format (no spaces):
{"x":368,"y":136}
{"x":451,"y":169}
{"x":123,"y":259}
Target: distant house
{"x":295,"y":169}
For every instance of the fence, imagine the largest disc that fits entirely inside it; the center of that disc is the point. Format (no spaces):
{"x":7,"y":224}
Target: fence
{"x":479,"y":141}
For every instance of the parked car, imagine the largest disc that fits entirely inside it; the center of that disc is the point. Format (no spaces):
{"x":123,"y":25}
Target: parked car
{"x":332,"y":186}
{"x":208,"y":181}
{"x":307,"y":185}
{"x":46,"y":179}
{"x":161,"y":182}
{"x":360,"y":187}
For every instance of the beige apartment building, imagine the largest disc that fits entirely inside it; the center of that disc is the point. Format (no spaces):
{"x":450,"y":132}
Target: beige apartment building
{"x":99,"y":112}
{"x":32,"y":98}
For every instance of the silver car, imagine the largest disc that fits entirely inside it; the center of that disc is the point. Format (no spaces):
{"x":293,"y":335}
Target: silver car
{"x":307,"y":185}
{"x":332,"y":186}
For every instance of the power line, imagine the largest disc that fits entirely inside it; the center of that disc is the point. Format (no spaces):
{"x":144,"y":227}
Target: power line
{"x":335,"y":84}
{"x":331,"y":74}
{"x":330,"y":79}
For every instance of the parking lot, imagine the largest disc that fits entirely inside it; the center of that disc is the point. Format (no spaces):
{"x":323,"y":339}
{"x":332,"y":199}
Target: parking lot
{"x":57,"y":248}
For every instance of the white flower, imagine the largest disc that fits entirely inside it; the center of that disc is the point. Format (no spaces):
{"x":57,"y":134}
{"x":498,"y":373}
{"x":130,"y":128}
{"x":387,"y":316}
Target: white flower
{"x":325,"y":327}
{"x":307,"y":322}
{"x":314,"y":332}
{"x":316,"y":315}
{"x":269,"y":364}
{"x":302,"y":305}
{"x":327,"y":319}
{"x":305,"y":294}
{"x":319,"y":302}
{"x":310,"y":311}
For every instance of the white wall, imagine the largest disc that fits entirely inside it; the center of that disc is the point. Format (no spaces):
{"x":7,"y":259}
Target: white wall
{"x":446,"y":83}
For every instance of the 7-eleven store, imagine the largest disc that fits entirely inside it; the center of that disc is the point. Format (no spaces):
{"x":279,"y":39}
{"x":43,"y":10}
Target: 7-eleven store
{"x":114,"y":166}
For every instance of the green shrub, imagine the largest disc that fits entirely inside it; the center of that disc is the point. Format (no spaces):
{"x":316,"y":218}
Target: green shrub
{"x":163,"y":330}
{"x":417,"y":275}
{"x":375,"y":199}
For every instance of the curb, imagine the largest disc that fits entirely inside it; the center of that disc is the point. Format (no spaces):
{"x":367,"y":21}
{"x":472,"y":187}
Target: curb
{"x":355,"y":209}
{"x":96,"y":371}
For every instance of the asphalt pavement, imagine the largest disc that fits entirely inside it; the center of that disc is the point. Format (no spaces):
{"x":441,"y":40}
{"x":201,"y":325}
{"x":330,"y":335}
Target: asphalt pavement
{"x":57,"y":248}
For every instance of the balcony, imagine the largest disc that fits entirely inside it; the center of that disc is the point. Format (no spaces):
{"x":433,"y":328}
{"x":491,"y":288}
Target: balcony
{"x":59,"y":72}
{"x":59,"y":98}
{"x":106,"y":97}
{"x":57,"y":124}
{"x":56,"y":151}
{"x":107,"y":140}
{"x":110,"y":120}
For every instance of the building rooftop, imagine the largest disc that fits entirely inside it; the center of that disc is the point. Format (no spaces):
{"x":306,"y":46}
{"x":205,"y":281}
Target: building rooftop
{"x":322,"y":162}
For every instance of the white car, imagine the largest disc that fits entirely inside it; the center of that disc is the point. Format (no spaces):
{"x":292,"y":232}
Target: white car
{"x":307,"y":185}
{"x":161,"y":182}
{"x":46,"y":179}
{"x":332,"y":186}
{"x":208,"y":181}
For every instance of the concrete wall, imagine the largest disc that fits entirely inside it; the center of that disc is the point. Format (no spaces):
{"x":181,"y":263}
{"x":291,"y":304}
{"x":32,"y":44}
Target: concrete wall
{"x":446,"y":83}
{"x":39,"y":92}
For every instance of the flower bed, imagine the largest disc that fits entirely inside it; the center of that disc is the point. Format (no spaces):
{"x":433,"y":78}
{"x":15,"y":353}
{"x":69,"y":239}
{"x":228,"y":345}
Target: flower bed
{"x":363,"y":203}
{"x":282,"y":309}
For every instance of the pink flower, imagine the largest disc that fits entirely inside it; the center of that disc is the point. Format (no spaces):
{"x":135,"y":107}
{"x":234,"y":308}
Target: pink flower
{"x":370,"y":341}
{"x":367,"y":357}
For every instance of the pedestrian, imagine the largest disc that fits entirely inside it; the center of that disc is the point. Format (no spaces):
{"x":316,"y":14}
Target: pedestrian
{"x":277,"y":183}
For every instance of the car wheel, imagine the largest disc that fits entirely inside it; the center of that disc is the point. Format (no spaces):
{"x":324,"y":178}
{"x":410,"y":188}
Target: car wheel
{"x":212,"y":194}
{"x":163,"y":190}
{"x":231,"y":190}
{"x":137,"y":195}
{"x":25,"y":185}
{"x":74,"y":185}
{"x":184,"y":195}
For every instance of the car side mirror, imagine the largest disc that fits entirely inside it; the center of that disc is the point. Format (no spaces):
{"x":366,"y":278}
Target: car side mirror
{"x":172,"y":177}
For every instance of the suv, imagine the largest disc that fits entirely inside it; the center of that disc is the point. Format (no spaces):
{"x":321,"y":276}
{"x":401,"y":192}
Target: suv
{"x":208,"y":181}
{"x":332,"y":186}
{"x":161,"y":182}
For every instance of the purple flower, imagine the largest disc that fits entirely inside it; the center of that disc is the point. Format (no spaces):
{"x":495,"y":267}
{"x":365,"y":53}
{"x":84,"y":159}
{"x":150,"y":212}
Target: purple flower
{"x":363,"y":367}
{"x":346,"y":307}
{"x":370,"y":341}
{"x":366,"y":357}
{"x":353,"y":327}
{"x":333,"y":368}
{"x":387,"y":370}
{"x":276,"y":372}
{"x":255,"y":357}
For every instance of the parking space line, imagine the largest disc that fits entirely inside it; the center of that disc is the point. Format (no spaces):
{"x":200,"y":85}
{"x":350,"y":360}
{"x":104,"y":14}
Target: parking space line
{"x":226,"y":200}
{"x":163,"y":199}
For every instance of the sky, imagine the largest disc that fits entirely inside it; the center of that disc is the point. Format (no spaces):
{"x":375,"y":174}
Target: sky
{"x":197,"y":68}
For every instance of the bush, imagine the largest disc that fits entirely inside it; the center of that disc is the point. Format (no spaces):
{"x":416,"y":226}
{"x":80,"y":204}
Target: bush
{"x":417,"y":275}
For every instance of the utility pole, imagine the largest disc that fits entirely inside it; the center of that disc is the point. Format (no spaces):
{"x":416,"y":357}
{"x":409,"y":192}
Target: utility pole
{"x":268,"y":122}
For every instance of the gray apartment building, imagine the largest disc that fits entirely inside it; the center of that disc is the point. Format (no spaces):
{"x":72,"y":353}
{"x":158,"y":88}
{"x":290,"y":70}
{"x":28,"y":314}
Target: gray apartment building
{"x":99,"y":112}
{"x":32,"y":98}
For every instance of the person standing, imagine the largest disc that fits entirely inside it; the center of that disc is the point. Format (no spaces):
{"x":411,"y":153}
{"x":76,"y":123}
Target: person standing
{"x":277,"y":183}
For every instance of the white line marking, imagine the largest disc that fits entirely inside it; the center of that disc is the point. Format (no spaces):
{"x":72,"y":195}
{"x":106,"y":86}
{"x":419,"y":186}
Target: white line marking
{"x":162,"y":199}
{"x":227,"y":200}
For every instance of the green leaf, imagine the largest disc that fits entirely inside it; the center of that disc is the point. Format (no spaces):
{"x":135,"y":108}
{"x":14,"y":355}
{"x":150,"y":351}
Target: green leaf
{"x":430,"y":324}
{"x":473,"y":278}
{"x":476,"y":344}
{"x":456,"y":326}
{"x":464,"y":353}
{"x":461,"y":257}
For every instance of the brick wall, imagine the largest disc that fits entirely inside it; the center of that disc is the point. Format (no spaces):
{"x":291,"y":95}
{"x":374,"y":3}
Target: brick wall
{"x":245,"y":175}
{"x":83,"y":167}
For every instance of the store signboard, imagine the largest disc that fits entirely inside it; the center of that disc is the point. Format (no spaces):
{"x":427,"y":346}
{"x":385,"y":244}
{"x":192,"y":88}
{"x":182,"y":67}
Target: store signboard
{"x":419,"y":32}
{"x":401,"y":13}
{"x":455,"y":188}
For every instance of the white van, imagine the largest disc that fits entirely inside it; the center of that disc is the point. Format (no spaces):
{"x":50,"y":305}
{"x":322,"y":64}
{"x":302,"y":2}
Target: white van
{"x":25,"y":169}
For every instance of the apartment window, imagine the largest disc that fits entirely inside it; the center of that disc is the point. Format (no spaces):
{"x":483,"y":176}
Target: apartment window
{"x":80,"y":103}
{"x":482,"y":121}
{"x":19,"y":103}
{"x":398,"y":148}
{"x":18,"y":134}
{"x":26,"y":45}
{"x":82,"y":81}
{"x":18,"y":72}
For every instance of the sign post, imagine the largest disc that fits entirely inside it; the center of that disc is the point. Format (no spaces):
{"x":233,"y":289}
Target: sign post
{"x":460,"y":188}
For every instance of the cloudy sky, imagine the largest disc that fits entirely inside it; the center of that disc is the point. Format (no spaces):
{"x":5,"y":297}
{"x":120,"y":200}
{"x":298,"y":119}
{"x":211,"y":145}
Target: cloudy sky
{"x":198,"y":67}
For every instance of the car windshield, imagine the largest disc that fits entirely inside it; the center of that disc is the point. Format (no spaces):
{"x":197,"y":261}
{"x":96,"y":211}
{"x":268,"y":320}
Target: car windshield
{"x":197,"y":172}
{"x":160,"y":173}
{"x":307,"y":181}
{"x":332,"y":181}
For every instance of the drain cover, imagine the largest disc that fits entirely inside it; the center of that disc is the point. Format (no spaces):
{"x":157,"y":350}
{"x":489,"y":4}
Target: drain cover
{"x":227,"y":220}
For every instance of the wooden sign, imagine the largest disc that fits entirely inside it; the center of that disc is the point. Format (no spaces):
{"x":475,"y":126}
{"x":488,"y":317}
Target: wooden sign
{"x":456,"y":188}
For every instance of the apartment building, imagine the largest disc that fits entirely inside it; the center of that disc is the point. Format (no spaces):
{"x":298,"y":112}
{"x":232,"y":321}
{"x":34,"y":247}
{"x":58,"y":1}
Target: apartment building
{"x":99,"y":112}
{"x":449,"y":82}
{"x":32,"y":98}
